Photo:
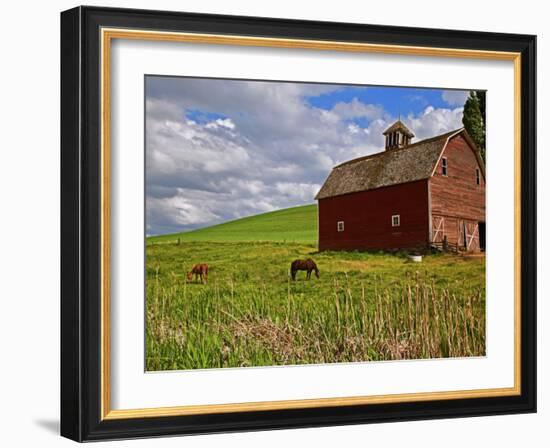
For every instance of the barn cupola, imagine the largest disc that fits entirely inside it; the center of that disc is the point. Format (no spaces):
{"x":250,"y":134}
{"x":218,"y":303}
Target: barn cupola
{"x":397,"y":136}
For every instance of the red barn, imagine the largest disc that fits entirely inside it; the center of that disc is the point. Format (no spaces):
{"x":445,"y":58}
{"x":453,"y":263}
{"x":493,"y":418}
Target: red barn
{"x":410,"y":196}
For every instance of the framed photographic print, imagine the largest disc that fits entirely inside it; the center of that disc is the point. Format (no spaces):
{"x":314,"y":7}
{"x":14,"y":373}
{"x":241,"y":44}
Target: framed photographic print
{"x":273,"y":223}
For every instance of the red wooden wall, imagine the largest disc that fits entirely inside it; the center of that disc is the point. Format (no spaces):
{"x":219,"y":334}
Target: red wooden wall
{"x":457,"y":202}
{"x":367,"y":218}
{"x":457,"y":194}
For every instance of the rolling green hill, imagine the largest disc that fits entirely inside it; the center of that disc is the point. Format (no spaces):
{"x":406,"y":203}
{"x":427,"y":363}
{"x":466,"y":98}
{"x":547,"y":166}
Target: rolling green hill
{"x":296,"y":224}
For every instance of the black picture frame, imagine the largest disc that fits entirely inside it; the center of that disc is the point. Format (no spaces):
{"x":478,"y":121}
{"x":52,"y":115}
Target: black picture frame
{"x":81,"y":224}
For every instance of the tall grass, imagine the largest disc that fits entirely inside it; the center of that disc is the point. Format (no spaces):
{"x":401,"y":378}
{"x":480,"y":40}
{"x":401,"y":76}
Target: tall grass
{"x":239,"y":319}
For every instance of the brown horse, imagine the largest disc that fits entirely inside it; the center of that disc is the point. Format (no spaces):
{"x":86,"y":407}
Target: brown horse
{"x":303,"y":265}
{"x":200,"y":271}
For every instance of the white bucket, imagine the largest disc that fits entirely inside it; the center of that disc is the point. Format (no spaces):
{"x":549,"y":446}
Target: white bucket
{"x":415,"y":258}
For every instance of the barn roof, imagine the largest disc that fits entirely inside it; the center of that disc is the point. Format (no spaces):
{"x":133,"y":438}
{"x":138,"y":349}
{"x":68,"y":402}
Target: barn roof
{"x":397,"y":166}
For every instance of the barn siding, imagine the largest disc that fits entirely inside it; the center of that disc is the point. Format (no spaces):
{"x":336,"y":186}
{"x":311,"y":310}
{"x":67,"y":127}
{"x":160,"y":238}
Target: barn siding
{"x":456,"y":198}
{"x":462,"y":232}
{"x":367,"y":218}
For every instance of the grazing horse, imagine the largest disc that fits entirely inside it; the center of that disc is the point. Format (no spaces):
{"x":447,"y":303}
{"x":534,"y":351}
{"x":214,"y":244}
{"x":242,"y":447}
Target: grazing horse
{"x":303,"y":265}
{"x":200,"y":271}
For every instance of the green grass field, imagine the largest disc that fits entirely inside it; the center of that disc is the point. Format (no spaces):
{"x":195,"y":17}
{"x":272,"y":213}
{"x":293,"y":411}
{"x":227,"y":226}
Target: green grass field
{"x":364,"y":306}
{"x":292,"y":225}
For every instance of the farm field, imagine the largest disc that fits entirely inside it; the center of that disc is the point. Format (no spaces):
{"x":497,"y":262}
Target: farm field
{"x":293,"y":225}
{"x":364,"y":306}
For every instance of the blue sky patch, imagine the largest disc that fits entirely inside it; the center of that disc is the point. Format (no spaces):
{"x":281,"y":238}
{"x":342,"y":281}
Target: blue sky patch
{"x":201,"y":117}
{"x":395,"y":100}
{"x":362,"y":122}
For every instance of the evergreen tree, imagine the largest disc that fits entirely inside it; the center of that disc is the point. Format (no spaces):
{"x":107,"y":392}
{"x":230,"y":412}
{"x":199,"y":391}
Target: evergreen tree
{"x":481,"y":97}
{"x":473,"y":121}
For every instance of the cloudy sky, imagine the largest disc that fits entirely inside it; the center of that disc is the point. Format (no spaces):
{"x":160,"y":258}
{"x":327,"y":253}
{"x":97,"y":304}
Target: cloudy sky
{"x":218,"y":150}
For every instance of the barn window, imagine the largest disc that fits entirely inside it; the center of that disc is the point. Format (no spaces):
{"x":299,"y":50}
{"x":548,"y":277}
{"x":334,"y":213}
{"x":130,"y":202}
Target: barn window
{"x":395,"y":221}
{"x":444,"y":166}
{"x":478,"y":177}
{"x":340,"y":226}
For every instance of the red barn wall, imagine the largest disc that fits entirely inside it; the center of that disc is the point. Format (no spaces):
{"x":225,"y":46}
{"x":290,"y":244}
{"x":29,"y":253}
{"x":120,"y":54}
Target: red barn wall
{"x":367,"y":217}
{"x":457,"y":202}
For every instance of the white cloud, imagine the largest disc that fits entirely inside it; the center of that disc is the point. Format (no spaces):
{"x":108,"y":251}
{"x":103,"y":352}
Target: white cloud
{"x":455,"y":97}
{"x":224,"y":123}
{"x":179,"y":210}
{"x":353,"y":128}
{"x":303,"y":192}
{"x":189,"y":213}
{"x":433,"y":121}
{"x":357,"y":109}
